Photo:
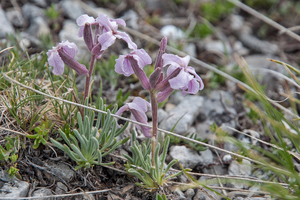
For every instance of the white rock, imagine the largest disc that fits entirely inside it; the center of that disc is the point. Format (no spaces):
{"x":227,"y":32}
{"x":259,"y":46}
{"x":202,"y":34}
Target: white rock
{"x":72,"y":9}
{"x":227,"y":158}
{"x":190,"y":49}
{"x":239,"y":169}
{"x":131,"y":18}
{"x":207,"y":157}
{"x":184,"y":113}
{"x":6,"y":27}
{"x":17,"y":190}
{"x":172,"y":31}
{"x":223,"y":47}
{"x":187,"y":157}
{"x":41,"y":193}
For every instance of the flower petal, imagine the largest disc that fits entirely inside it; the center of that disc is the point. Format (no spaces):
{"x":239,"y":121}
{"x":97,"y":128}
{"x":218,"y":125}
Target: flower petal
{"x":181,"y":80}
{"x":142,"y":58}
{"x":139,"y":105}
{"x":126,"y":38}
{"x":80,"y":32}
{"x":171,"y":59}
{"x":123,"y":66}
{"x":142,"y":103}
{"x":81,"y":20}
{"x":69,"y":48}
{"x":106,"y":40}
{"x":104,"y":20}
{"x":56,"y":62}
{"x":193,"y":86}
{"x":119,"y":21}
{"x":197,"y":77}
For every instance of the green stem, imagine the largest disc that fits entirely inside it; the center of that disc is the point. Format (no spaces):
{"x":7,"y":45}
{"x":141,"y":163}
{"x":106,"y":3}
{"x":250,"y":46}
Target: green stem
{"x":88,"y":78}
{"x":154,"y":122}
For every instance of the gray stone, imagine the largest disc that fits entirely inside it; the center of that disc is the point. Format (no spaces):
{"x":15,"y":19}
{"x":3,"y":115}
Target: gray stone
{"x":239,"y":169}
{"x":61,"y":188}
{"x":219,"y":109}
{"x":72,"y":9}
{"x":34,"y":41}
{"x":96,"y":9}
{"x":40,"y":3}
{"x":189,"y":193}
{"x":254,"y":134}
{"x":237,"y":22}
{"x":220,"y":46}
{"x":131,"y":18}
{"x":230,"y":147}
{"x":186,"y":111}
{"x":190,"y":49}
{"x":205,"y":194}
{"x":85,"y":197}
{"x":62,"y":170}
{"x":12,"y":187}
{"x":169,"y":107}
{"x":187,"y":157}
{"x":216,"y":169}
{"x":239,"y":48}
{"x":179,"y":193}
{"x":42,"y":193}
{"x":258,"y":61}
{"x":207,"y":157}
{"x":172,"y":31}
{"x":161,"y":115}
{"x":31,"y":11}
{"x":176,"y":98}
{"x":5,"y":25}
{"x":15,"y":17}
{"x":38,"y":27}
{"x":70,"y":32}
{"x":203,"y":130}
{"x":227,"y":158}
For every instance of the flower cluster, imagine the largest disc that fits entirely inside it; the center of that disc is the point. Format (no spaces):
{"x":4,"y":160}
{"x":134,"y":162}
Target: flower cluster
{"x":179,"y":76}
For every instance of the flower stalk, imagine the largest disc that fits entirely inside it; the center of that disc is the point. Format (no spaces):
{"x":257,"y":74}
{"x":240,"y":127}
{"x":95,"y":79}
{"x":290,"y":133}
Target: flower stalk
{"x":88,"y":77}
{"x":154,"y":107}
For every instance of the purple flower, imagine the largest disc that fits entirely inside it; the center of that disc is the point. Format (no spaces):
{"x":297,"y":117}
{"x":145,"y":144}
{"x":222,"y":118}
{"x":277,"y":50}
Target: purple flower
{"x":134,"y":63}
{"x":82,"y":20}
{"x":123,"y":65}
{"x":64,"y":53}
{"x":187,"y":79}
{"x":110,"y":32}
{"x":138,"y":107}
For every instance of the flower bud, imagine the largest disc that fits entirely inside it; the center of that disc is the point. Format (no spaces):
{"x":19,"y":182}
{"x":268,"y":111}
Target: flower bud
{"x":162,"y":49}
{"x":87,"y":36}
{"x":154,"y":77}
{"x":71,"y":62}
{"x":139,"y":73}
{"x":161,"y":96}
{"x":164,"y":84}
{"x":97,"y":50}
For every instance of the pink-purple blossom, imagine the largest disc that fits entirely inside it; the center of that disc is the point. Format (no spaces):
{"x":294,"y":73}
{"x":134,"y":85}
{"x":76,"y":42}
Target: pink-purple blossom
{"x":187,"y":79}
{"x":138,"y":108}
{"x":123,"y":65}
{"x":111,"y":33}
{"x":134,"y":63}
{"x":82,"y":20}
{"x":64,"y":53}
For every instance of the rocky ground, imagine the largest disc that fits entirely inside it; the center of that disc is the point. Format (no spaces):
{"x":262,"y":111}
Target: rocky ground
{"x":221,"y":102}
